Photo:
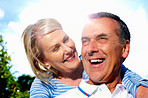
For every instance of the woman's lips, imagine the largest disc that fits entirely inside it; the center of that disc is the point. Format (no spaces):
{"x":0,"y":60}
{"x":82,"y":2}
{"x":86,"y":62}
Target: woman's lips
{"x":70,"y":58}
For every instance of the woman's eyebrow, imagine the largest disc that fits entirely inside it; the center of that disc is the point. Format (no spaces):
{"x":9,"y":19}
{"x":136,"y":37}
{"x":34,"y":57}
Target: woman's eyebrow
{"x":65,"y":36}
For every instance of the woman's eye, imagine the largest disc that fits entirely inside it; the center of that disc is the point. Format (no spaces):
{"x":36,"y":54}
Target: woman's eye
{"x":56,"y":48}
{"x":67,"y":38}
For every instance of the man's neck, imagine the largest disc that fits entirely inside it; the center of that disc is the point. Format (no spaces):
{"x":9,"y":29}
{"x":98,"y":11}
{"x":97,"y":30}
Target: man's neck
{"x":111,"y":86}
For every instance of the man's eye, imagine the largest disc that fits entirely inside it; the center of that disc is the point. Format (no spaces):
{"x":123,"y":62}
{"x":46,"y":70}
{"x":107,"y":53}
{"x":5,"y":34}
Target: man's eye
{"x":84,"y":42}
{"x":102,"y":39}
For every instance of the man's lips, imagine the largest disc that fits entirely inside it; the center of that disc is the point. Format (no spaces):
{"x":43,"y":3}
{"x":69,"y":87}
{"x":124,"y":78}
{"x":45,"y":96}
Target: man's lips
{"x":96,"y":61}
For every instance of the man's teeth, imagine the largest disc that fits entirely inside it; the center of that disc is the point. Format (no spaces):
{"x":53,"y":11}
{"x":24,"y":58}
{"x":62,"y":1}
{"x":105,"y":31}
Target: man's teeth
{"x":96,"y":61}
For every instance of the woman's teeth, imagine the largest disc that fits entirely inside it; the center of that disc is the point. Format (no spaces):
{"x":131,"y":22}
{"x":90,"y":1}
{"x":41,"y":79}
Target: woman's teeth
{"x":70,"y":58}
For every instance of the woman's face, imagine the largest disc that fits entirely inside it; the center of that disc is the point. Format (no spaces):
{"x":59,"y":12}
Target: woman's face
{"x":59,"y":51}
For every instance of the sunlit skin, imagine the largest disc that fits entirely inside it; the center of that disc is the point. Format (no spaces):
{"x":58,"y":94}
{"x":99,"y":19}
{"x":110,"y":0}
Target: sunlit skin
{"x":100,"y":42}
{"x":59,"y":52}
{"x":142,"y":92}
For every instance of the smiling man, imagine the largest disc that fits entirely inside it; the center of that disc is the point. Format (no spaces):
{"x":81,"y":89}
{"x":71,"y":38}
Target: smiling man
{"x":105,"y":46}
{"x":103,"y":51}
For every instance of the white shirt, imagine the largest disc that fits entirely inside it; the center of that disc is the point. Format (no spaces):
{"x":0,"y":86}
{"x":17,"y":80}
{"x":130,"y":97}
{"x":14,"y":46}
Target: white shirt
{"x":85,"y":90}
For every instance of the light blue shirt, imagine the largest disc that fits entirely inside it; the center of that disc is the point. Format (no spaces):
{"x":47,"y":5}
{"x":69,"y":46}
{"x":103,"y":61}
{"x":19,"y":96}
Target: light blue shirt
{"x":50,"y":89}
{"x":40,"y":89}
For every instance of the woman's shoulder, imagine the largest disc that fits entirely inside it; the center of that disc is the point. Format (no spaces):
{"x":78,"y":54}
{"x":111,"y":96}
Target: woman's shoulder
{"x":38,"y":83}
{"x":51,"y":84}
{"x":39,"y":88}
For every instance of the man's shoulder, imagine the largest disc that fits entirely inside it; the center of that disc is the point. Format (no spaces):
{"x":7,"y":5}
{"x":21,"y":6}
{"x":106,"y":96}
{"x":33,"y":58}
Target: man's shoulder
{"x":72,"y":93}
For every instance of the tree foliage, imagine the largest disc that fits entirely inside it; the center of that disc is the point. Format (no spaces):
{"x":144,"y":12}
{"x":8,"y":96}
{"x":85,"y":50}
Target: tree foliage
{"x":9,"y":87}
{"x":25,"y":82}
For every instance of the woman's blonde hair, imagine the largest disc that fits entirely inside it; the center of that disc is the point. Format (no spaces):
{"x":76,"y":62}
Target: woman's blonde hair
{"x":34,"y":53}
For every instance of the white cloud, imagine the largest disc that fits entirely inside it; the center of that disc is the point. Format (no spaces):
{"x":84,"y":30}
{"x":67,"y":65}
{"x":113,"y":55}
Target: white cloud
{"x":1,"y":13}
{"x":15,"y":26}
{"x":137,"y":60}
{"x":71,"y":14}
{"x":17,"y":53}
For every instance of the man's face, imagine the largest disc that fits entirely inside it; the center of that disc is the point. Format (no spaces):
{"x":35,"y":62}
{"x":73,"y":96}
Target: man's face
{"x":101,"y":50}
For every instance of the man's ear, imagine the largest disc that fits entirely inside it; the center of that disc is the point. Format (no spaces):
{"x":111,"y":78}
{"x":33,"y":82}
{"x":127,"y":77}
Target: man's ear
{"x":126,"y":48}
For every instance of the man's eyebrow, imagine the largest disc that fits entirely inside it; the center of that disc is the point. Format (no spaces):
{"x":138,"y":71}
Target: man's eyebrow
{"x":84,"y":38}
{"x":102,"y":34}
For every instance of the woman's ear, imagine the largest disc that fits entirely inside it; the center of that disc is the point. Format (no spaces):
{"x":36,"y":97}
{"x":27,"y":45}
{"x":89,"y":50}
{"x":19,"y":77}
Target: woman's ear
{"x":126,"y":48}
{"x":46,"y":64}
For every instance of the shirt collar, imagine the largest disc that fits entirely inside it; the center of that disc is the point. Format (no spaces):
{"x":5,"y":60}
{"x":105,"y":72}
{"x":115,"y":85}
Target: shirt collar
{"x":84,"y":88}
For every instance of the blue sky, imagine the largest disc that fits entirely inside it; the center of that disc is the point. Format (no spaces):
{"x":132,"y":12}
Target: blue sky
{"x":15,"y":15}
{"x":12,"y":8}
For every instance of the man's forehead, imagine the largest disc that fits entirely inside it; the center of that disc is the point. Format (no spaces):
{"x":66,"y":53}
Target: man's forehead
{"x":100,"y":24}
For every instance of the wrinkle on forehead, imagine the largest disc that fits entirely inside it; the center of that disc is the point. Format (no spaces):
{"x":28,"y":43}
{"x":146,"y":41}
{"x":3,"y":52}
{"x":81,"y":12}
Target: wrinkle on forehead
{"x":104,"y":21}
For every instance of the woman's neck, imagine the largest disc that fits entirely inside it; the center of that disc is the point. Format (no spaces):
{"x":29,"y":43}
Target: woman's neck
{"x":72,"y":79}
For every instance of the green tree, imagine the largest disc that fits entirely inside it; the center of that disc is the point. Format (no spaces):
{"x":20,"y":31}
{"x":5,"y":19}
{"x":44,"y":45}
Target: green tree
{"x":25,"y":82}
{"x":8,"y":85}
{"x":9,"y":88}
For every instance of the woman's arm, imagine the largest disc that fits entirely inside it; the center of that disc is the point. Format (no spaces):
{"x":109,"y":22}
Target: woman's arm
{"x":133,"y":81}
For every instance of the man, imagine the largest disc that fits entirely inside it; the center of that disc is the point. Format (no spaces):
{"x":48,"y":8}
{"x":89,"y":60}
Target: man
{"x":105,"y":46}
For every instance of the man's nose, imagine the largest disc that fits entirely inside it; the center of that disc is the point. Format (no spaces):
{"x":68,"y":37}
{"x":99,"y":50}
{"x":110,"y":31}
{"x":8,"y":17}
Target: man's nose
{"x":92,"y":48}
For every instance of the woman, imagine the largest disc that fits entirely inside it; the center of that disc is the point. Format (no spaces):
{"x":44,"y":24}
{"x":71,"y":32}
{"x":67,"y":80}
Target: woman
{"x":54,"y":59}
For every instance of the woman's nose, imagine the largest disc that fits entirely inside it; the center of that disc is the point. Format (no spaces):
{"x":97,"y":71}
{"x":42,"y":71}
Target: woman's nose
{"x":67,"y":49}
